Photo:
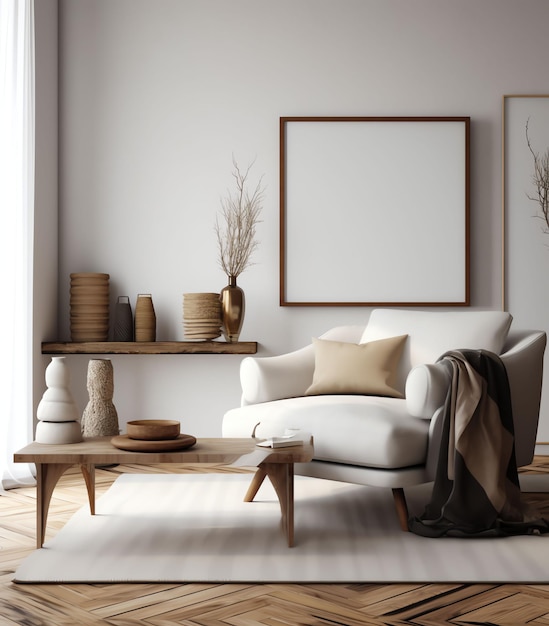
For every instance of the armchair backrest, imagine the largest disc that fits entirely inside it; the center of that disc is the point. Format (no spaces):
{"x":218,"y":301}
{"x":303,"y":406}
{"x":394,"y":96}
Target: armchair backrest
{"x":432,"y":333}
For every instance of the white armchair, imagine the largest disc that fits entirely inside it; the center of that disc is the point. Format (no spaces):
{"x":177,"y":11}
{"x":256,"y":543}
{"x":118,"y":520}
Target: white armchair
{"x":388,"y":441}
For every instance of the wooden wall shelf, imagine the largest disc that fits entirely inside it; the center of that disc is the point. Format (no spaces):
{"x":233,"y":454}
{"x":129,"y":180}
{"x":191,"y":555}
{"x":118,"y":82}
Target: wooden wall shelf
{"x":152,"y":347}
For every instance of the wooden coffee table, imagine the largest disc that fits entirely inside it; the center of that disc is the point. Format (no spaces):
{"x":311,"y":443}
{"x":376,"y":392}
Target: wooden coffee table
{"x":52,"y":461}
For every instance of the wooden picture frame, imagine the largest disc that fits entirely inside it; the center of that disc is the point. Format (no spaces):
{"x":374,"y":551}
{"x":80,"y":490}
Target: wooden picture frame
{"x":525,"y":234}
{"x":521,"y":219}
{"x":374,"y":211}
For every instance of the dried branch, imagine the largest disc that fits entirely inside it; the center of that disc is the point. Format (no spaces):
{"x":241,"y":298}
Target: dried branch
{"x":240,"y":211}
{"x":540,"y":180}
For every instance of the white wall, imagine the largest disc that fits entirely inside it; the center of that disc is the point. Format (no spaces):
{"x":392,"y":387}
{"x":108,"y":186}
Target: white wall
{"x":155,"y":97}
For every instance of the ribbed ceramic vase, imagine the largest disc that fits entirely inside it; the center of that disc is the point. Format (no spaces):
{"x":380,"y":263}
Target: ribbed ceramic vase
{"x":145,"y":318}
{"x":89,"y":306}
{"x":100,"y":418}
{"x":232,"y":310}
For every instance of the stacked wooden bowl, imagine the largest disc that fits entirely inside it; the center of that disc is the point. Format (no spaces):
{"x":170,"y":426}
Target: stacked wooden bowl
{"x":201,"y":315}
{"x":89,"y":307}
{"x":153,"y":436}
{"x":153,"y":430}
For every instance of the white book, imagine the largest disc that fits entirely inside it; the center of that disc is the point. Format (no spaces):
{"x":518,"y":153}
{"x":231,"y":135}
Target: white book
{"x":281,"y":442}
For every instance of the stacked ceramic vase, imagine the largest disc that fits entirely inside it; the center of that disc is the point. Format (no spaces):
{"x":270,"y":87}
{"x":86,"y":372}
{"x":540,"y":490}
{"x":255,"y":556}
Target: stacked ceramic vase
{"x":201,"y":315}
{"x":57,"y":413}
{"x":89,"y":307}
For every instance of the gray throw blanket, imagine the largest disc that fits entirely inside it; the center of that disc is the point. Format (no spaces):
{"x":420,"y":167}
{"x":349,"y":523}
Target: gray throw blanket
{"x":476,"y":492}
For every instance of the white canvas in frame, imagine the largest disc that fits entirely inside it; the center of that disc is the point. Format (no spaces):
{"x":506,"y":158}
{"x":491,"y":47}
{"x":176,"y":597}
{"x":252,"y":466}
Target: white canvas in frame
{"x":526,"y":242}
{"x":374,"y":211}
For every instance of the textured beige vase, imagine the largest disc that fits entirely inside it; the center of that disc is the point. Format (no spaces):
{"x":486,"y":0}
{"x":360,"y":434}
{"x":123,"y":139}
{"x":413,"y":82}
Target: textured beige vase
{"x":100,"y":418}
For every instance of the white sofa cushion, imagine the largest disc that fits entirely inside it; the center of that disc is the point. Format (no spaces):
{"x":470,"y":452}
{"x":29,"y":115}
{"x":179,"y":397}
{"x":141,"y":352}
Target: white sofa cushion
{"x":368,"y":431}
{"x":431,"y":334}
{"x":348,"y":368}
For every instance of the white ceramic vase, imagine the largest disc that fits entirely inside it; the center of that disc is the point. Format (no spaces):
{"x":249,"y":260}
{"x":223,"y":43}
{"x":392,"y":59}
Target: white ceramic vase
{"x":57,"y":412}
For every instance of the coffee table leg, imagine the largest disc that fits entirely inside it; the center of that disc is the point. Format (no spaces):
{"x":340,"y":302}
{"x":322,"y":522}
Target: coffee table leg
{"x":256,"y":483}
{"x":281,"y":476}
{"x":88,"y":471}
{"x":47,"y":476}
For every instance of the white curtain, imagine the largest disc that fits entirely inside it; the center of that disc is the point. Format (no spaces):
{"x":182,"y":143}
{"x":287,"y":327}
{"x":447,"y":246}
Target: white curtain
{"x":16,"y":234}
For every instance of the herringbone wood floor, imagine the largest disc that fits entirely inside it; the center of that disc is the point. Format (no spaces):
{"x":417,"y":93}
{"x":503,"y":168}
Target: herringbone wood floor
{"x":239,"y":604}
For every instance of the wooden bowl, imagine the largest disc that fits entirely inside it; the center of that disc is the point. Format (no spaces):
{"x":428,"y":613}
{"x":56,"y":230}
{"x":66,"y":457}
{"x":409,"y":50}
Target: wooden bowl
{"x":153,"y":430}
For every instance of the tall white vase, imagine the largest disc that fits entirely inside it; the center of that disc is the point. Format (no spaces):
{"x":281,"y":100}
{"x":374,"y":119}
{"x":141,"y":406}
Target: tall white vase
{"x":57,"y":412}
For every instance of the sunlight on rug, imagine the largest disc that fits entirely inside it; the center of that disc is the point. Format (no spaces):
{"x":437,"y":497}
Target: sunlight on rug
{"x":196,"y":528}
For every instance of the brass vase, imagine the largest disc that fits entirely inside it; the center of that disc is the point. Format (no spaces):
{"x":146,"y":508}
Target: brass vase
{"x":232,"y":310}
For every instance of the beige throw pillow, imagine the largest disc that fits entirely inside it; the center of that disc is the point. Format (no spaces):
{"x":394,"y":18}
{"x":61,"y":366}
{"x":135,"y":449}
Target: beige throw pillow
{"x":348,"y":368}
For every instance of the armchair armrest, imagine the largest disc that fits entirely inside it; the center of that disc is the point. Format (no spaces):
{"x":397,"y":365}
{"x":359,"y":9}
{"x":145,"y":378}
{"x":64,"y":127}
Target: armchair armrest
{"x":264,"y":379}
{"x":523,"y":360}
{"x":426,"y":388}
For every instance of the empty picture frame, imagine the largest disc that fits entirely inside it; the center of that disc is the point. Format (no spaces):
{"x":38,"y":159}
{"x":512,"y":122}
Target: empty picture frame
{"x":525,"y":231}
{"x":374,"y":211}
{"x":525,"y":250}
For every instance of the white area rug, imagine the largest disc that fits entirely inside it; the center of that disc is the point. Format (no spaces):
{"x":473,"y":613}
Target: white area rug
{"x":181,"y":528}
